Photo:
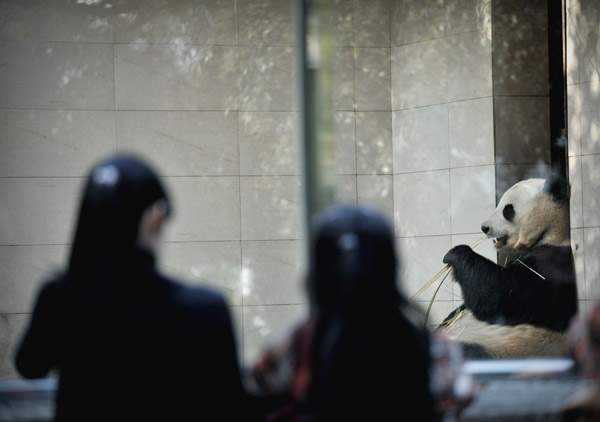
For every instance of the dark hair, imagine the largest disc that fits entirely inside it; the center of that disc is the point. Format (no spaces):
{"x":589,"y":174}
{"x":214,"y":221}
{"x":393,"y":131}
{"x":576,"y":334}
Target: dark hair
{"x":354,"y":262}
{"x":117,"y":192}
{"x":368,"y":357}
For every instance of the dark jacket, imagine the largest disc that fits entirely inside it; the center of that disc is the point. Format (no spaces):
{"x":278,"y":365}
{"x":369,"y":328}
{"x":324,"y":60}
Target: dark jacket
{"x":141,"y":347}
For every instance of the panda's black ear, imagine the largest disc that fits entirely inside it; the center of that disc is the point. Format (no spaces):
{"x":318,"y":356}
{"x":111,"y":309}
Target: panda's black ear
{"x":557,"y":186}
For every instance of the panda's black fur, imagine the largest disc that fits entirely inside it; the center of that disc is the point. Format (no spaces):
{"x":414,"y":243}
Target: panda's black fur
{"x":535,"y":293}
{"x":515,"y":294}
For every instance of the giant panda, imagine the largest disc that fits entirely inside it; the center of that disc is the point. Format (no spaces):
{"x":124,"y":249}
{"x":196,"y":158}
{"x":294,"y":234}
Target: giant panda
{"x":523,"y":308}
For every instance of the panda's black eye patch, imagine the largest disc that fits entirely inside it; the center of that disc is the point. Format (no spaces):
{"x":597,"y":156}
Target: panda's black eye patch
{"x":509,"y":212}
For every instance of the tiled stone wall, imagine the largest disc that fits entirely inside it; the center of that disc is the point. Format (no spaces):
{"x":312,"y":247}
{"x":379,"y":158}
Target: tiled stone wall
{"x":583,"y":90}
{"x":521,"y":93}
{"x":205,"y":90}
{"x":471,"y":117}
{"x":443,"y":137}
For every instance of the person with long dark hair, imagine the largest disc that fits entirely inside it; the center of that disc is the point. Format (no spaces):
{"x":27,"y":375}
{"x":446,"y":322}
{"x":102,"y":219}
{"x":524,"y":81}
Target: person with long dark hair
{"x":129,"y":343}
{"x":362,"y":354}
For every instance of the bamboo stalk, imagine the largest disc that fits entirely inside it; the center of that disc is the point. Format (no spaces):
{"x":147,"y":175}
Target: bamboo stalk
{"x":441,"y":272}
{"x":454,"y":320}
{"x":434,"y":295}
{"x":430,"y":282}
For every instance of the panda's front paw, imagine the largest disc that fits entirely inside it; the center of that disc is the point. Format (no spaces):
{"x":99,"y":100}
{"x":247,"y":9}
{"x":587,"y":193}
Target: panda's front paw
{"x":456,"y":253}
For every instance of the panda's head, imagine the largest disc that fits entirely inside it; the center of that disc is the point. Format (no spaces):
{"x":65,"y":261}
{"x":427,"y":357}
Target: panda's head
{"x":533,"y":211}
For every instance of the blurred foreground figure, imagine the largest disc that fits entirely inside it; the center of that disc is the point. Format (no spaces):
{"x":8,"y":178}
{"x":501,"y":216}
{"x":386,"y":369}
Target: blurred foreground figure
{"x":360,"y":355}
{"x":583,"y":346}
{"x":128,"y":343}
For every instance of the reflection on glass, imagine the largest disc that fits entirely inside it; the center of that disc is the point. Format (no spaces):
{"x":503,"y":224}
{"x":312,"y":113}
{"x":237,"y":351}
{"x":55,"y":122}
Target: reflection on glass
{"x":439,"y":108}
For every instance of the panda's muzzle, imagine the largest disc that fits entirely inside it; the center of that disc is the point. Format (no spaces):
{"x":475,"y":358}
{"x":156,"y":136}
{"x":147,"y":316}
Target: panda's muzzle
{"x":499,"y":242}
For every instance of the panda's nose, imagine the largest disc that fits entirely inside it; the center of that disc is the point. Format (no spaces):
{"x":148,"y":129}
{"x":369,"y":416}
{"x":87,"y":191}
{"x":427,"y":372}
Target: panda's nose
{"x":485,"y":229}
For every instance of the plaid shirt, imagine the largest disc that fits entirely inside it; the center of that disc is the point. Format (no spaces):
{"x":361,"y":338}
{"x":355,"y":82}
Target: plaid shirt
{"x":284,"y":370}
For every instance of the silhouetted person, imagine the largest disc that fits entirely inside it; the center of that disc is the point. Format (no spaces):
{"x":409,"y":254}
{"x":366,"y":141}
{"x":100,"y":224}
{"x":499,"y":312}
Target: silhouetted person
{"x":360,"y":355}
{"x":128,"y":343}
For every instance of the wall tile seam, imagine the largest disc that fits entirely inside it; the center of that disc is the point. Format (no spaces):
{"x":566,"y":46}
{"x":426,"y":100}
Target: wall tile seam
{"x":363,"y":174}
{"x":272,"y":111}
{"x":149,"y":110}
{"x":486,"y":28}
{"x":264,"y":175}
{"x":250,"y":110}
{"x":90,"y":110}
{"x":275,"y":304}
{"x":354,"y":23}
{"x":585,"y":275}
{"x":200,"y":110}
{"x":201,"y":176}
{"x":170,"y":242}
{"x":588,"y":82}
{"x":361,"y":110}
{"x":281,"y":175}
{"x":372,"y":47}
{"x":472,"y":166}
{"x":430,"y":236}
{"x":270,"y":239}
{"x":170,"y":176}
{"x":176,"y":44}
{"x":207,"y":176}
{"x":159,"y":44}
{"x":521,"y":96}
{"x":83,"y":176}
{"x":229,"y":306}
{"x":453,"y":168}
{"x":579,"y":227}
{"x":441,"y":103}
{"x":114,"y":113}
{"x":242,"y":336}
{"x":175,"y":242}
{"x":45,"y":41}
{"x":446,"y":234}
{"x":578,"y":182}
{"x":448,"y":158}
{"x":422,"y":171}
{"x":366,"y":174}
{"x":519,"y":26}
{"x":579,"y":8}
{"x":259,"y":241}
{"x":538,"y":163}
{"x":29,"y":245}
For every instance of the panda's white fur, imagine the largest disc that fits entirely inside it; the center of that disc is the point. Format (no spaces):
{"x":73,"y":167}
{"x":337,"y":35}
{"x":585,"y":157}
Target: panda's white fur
{"x":538,"y":220}
{"x":505,"y":341}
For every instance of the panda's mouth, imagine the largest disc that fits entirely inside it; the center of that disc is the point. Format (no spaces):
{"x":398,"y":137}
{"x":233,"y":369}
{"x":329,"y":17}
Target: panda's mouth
{"x":499,"y":242}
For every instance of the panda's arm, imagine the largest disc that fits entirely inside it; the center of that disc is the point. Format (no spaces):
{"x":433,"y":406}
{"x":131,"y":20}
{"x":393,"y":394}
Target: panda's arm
{"x":484,"y":284}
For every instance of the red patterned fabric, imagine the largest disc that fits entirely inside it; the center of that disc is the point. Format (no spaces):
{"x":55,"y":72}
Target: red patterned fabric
{"x":285,"y":370}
